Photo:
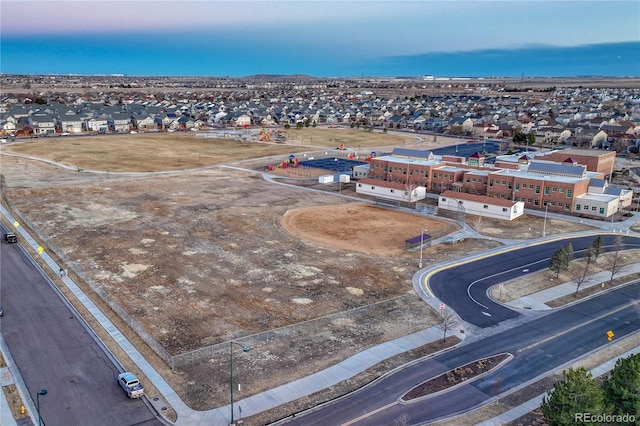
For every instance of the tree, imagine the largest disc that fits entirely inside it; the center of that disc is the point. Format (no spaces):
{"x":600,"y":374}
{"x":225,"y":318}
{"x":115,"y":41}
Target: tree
{"x":568,"y":253}
{"x":519,"y":138}
{"x":401,"y":420}
{"x":581,"y":275}
{"x":446,"y":321}
{"x":555,"y":264}
{"x":589,"y":255}
{"x":576,"y":392}
{"x":560,"y":260}
{"x":597,"y":247}
{"x":477,"y":224}
{"x":622,"y":389}
{"x":614,"y":260}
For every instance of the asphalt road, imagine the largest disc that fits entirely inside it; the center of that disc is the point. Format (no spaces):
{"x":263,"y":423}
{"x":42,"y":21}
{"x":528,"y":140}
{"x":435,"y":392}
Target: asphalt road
{"x":53,"y":350}
{"x":538,"y":346}
{"x":464,"y":287}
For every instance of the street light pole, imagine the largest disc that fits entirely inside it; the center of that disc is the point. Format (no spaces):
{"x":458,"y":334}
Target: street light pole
{"x":421,"y":244}
{"x":40,"y":392}
{"x":246,"y":349}
{"x":544,"y":226}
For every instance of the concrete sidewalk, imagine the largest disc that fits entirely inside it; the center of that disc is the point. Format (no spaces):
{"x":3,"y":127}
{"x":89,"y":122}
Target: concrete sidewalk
{"x":266,"y":400}
{"x":6,"y":416}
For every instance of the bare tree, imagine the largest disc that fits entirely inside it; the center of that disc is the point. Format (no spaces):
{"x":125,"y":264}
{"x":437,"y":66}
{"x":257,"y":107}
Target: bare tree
{"x":581,"y":274}
{"x":613,"y":262}
{"x":409,"y":187}
{"x":401,"y":420}
{"x":446,"y":321}
{"x":477,"y":224}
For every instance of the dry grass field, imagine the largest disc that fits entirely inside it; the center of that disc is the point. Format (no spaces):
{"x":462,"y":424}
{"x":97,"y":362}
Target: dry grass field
{"x":199,"y":253}
{"x":149,"y":152}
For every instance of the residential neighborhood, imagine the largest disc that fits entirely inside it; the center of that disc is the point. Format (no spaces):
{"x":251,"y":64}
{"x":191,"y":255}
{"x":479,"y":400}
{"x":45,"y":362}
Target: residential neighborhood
{"x":598,"y":124}
{"x":585,"y":117}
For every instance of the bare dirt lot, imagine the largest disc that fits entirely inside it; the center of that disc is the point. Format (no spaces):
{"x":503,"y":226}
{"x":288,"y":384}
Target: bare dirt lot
{"x":200,"y":257}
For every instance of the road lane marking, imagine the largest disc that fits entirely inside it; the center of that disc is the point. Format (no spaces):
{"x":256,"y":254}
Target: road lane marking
{"x":364,"y":416}
{"x":533,"y":345}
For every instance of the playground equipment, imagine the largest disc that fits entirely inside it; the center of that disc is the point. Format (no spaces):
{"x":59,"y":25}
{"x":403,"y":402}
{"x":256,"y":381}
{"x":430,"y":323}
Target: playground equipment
{"x":291,"y":162}
{"x":276,"y":136}
{"x":370,"y":156}
{"x":341,"y":147}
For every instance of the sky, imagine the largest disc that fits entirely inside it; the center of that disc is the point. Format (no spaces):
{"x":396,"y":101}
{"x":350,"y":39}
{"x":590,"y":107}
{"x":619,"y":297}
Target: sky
{"x":321,"y":38}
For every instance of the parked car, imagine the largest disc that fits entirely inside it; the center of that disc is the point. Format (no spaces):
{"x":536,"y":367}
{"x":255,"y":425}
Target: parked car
{"x":10,"y":237}
{"x":1,"y":311}
{"x":132,"y":387}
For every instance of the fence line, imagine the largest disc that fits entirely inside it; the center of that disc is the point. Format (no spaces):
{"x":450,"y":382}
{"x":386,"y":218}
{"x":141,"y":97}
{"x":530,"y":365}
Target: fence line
{"x":288,"y":332}
{"x":176,"y":361}
{"x":52,"y":247}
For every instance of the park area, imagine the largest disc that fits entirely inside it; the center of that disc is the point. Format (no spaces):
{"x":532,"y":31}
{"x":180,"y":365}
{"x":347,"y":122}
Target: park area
{"x":188,"y":238}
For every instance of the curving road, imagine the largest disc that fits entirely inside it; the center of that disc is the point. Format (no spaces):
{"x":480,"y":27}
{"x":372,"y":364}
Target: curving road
{"x":538,"y":346}
{"x":74,"y":368}
{"x":464,"y":287}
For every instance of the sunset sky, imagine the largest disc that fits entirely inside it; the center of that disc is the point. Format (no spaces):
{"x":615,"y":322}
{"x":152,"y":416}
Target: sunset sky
{"x":323,"y":38}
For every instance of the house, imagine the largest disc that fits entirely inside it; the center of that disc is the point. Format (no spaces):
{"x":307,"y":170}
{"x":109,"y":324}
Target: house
{"x":120,"y":122}
{"x":70,"y":123}
{"x":243,"y":120}
{"x":42,"y":124}
{"x":99,"y":124}
{"x":9,"y":126}
{"x":147,"y":123}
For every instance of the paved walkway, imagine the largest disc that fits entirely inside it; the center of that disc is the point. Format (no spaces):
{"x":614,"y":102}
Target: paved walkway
{"x":266,"y":400}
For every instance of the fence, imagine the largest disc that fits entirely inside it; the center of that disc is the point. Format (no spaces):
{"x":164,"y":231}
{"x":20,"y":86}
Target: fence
{"x":287,"y":334}
{"x":381,"y":202}
{"x":53,"y":248}
{"x":290,"y":333}
{"x":426,"y":209}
